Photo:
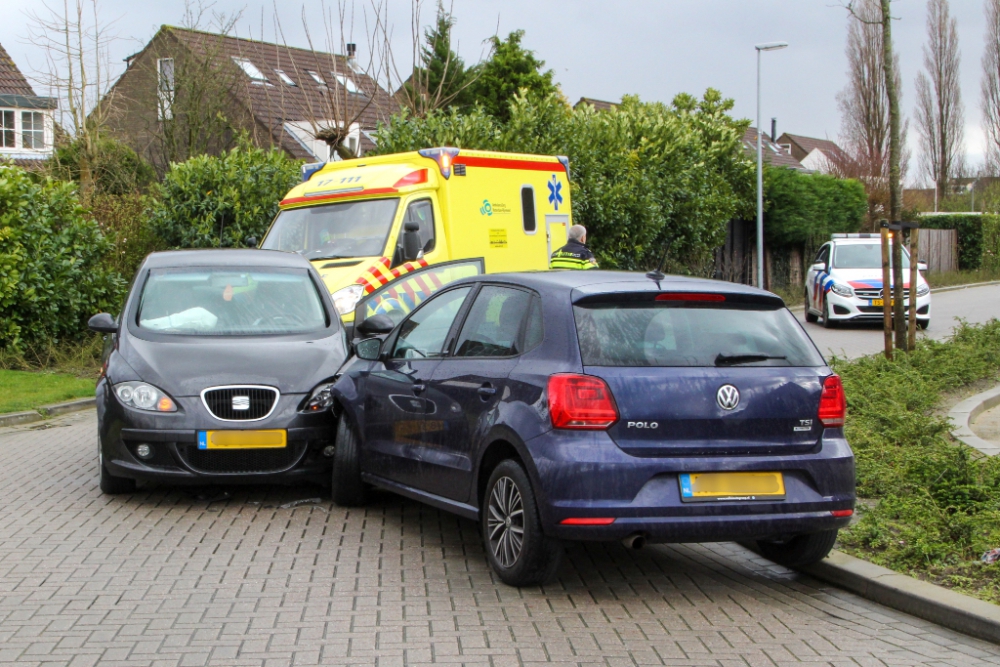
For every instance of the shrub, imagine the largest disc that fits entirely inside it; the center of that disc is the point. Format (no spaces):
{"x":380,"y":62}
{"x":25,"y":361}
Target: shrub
{"x":212,"y":202}
{"x":970,"y":236}
{"x":117,"y":169}
{"x":991,"y":243}
{"x":52,"y":277}
{"x":124,"y":220}
{"x":804,"y":209}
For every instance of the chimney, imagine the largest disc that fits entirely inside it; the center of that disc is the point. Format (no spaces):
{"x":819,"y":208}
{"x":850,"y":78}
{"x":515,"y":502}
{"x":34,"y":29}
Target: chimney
{"x":774,"y":130}
{"x":352,"y":50}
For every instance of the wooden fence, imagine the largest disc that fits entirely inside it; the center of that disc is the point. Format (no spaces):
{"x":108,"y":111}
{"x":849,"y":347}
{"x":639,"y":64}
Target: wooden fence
{"x":939,"y":248}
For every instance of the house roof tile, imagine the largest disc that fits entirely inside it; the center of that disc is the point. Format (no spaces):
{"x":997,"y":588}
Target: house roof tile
{"x":773,"y":153}
{"x":12,"y":82}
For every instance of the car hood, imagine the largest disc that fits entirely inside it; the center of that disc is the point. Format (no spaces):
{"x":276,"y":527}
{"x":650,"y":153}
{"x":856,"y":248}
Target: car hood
{"x":869,"y":277}
{"x":187,"y":367}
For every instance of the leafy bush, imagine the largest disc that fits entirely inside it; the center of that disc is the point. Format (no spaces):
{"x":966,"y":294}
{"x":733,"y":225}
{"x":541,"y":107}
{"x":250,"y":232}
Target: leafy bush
{"x":804,"y":209}
{"x":212,"y":202}
{"x":117,"y":170}
{"x":970,"y":235}
{"x":644,"y":176}
{"x":938,"y":501}
{"x":124,"y":220}
{"x":991,"y":243}
{"x":52,"y":275}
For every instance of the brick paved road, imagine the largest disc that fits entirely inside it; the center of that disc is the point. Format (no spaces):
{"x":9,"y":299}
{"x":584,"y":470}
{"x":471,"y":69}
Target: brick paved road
{"x":166,"y":577}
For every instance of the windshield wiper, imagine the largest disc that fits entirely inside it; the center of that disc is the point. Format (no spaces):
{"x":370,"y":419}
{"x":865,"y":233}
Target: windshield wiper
{"x":730,"y":360}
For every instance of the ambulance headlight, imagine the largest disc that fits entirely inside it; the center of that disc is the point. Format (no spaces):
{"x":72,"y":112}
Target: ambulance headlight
{"x":842,"y":290}
{"x":344,"y":300}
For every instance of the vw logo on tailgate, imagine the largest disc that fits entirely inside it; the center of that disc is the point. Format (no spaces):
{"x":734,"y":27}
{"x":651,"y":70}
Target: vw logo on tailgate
{"x":728,"y":397}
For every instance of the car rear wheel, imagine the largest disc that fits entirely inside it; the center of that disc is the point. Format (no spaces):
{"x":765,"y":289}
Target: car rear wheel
{"x":809,"y":316}
{"x":827,"y":322}
{"x":517,"y":549}
{"x":346,"y":487}
{"x":801,"y":550}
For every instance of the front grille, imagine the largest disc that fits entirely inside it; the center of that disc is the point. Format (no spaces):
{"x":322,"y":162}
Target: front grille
{"x":242,"y":460}
{"x":869,"y":293}
{"x":257,"y":402}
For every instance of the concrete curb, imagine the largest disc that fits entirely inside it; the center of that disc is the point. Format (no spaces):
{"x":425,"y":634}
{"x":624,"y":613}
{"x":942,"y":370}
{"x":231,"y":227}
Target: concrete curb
{"x":963,"y":414}
{"x":950,"y":288}
{"x":945,"y":607}
{"x":29,"y":416}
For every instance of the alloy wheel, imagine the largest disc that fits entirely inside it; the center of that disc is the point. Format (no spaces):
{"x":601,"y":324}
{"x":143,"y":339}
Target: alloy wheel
{"x":505,"y":524}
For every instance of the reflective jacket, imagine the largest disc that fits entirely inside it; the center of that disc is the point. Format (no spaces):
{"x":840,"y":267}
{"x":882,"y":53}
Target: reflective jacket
{"x":573,"y":255}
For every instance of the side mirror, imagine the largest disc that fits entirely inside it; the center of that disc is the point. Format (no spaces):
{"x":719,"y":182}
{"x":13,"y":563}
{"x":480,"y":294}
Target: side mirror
{"x":251,"y":241}
{"x":376,"y":325}
{"x":411,"y":241}
{"x":921,"y":266}
{"x":103,"y":323}
{"x":368,"y":349}
{"x":819,"y":266}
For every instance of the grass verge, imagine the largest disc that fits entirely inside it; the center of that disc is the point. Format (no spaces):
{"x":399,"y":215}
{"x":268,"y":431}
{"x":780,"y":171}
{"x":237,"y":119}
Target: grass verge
{"x":961,"y":277}
{"x":937,"y":503}
{"x":24,"y":390}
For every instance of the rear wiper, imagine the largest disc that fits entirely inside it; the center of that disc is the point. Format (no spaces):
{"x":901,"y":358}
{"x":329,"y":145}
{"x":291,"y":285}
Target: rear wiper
{"x":730,"y":360}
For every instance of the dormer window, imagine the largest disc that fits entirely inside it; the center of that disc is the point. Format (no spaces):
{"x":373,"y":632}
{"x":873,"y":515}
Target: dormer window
{"x":251,"y":70}
{"x":284,"y":77}
{"x":317,"y":78}
{"x":348,"y":84}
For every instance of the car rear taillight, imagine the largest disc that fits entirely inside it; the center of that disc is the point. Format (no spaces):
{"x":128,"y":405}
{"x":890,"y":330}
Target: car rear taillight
{"x":581,"y":402}
{"x":832,"y":403}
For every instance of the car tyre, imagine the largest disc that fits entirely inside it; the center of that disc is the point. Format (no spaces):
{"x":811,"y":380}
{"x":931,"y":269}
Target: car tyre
{"x":827,"y":322}
{"x":528,"y":558}
{"x":801,"y":550}
{"x":924,"y":324}
{"x":810,"y":317}
{"x":346,"y":487}
{"x":112,"y":485}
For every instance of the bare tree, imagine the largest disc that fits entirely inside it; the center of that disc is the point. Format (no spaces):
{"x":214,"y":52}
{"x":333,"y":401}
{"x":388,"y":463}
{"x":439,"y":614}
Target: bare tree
{"x":939,"y":113}
{"x":78,"y":71}
{"x":991,"y":85}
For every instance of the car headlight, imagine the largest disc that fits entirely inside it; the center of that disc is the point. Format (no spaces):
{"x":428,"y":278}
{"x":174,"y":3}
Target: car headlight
{"x":842,"y":290}
{"x":923,"y":289}
{"x":144,"y":396}
{"x":320,"y":399}
{"x":344,"y":300}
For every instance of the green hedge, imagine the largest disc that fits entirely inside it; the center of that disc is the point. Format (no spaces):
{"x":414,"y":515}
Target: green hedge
{"x":807,"y":208}
{"x":991,"y":242}
{"x":970,"y":235}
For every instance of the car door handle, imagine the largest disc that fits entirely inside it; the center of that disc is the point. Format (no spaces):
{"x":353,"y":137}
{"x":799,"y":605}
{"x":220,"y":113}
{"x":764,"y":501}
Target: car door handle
{"x":486,"y":391}
{"x":418,"y":387}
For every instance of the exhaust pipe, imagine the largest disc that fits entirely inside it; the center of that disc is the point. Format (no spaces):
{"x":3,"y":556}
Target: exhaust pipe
{"x":635,"y":541}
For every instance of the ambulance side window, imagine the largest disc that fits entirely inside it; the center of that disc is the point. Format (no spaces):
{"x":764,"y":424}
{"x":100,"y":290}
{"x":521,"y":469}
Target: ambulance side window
{"x":528,"y":209}
{"x":422,"y":212}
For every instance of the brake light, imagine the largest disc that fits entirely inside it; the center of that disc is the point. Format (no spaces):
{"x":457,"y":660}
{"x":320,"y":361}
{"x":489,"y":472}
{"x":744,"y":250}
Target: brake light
{"x":840,"y":514}
{"x":687,"y":296}
{"x":581,"y":402}
{"x":413,"y":178}
{"x":832,"y":402}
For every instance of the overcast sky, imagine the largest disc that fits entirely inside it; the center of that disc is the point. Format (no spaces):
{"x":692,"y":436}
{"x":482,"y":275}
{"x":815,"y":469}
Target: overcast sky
{"x":604,"y":49}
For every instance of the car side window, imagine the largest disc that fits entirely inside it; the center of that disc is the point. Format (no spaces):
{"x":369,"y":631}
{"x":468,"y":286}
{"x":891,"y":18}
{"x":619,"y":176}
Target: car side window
{"x":493,"y":327}
{"x":823,"y":255}
{"x":425,"y":333}
{"x":533,"y":331}
{"x":422,"y":213}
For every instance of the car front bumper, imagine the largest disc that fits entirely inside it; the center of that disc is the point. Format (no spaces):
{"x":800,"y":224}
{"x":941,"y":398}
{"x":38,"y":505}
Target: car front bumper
{"x":176,"y":458}
{"x":857,"y":309}
{"x":585,"y":475}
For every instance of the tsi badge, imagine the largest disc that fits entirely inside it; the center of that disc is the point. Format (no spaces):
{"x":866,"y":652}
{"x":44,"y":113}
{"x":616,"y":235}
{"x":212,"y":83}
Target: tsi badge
{"x":728,"y":397}
{"x":643,"y":425}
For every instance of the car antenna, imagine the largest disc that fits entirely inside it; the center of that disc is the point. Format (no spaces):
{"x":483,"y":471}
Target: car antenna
{"x":657,"y":273}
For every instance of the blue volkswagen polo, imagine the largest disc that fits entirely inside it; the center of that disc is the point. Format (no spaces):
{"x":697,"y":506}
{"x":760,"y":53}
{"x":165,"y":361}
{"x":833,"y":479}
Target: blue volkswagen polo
{"x":598,"y":405}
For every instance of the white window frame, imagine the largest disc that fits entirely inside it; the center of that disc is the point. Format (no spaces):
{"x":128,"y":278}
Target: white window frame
{"x":47,"y":130}
{"x":13,"y":129}
{"x":253,"y":73}
{"x":316,"y":77}
{"x":285,"y":78}
{"x":34,"y":131}
{"x":165,"y":86}
{"x":348,"y":84}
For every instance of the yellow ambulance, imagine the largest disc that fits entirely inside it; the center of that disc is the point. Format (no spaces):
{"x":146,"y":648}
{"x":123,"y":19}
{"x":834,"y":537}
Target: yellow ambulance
{"x":387,"y":231}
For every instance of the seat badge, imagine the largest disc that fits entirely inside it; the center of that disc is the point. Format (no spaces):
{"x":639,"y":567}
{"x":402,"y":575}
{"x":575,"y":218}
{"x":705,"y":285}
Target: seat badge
{"x":241,"y":402}
{"x":728,"y":397}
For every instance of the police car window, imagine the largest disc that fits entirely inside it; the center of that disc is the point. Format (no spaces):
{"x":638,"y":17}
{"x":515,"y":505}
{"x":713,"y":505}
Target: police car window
{"x":528,"y":209}
{"x":425,"y":333}
{"x":863,"y":256}
{"x":823,"y":255}
{"x":493,"y":327}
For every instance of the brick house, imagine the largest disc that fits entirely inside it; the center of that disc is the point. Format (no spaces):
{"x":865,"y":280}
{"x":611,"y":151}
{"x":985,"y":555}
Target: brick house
{"x":27,"y":125}
{"x":179,"y":86}
{"x":814,"y":154}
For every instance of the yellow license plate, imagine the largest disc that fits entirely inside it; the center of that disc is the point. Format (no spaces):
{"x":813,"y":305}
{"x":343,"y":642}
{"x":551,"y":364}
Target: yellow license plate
{"x":708,"y":486}
{"x":879,"y":303}
{"x":269,"y":439}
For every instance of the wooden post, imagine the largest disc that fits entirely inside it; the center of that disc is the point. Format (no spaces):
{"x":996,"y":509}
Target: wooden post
{"x":886,"y":295}
{"x":911,"y":334}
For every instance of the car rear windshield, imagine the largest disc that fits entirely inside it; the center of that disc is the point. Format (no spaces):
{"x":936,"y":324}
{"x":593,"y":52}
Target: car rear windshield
{"x":651,"y":333}
{"x":333,"y":231}
{"x":862,"y":256}
{"x":228,"y":302}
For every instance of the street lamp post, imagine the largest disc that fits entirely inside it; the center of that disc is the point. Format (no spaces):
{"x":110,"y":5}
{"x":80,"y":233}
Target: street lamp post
{"x":769,"y":46}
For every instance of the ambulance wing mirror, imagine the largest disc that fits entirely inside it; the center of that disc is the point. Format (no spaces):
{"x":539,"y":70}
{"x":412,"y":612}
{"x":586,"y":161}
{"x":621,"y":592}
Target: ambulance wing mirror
{"x":411,"y":241}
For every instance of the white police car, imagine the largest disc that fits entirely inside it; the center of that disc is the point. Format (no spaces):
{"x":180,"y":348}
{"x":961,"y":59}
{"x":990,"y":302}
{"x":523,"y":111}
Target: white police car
{"x":844,"y":283}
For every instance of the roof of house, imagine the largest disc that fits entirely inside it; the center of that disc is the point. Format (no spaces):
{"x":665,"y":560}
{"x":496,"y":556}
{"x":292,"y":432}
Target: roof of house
{"x":807,"y":145}
{"x":12,"y":82}
{"x":599,"y":105}
{"x":773,"y":153}
{"x":274,"y":101}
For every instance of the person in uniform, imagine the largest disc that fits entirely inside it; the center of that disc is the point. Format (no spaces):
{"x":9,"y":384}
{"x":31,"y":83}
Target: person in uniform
{"x":575,"y":254}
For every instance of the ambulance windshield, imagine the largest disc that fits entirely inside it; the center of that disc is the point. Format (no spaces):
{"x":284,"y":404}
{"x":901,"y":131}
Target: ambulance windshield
{"x":333,"y":231}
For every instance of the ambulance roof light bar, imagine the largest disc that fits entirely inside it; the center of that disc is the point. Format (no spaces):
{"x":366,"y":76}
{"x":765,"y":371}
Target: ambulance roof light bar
{"x":311,"y":168}
{"x":443,"y":156}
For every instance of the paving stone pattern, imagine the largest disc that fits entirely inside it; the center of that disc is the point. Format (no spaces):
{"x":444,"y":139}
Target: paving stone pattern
{"x":170,"y":576}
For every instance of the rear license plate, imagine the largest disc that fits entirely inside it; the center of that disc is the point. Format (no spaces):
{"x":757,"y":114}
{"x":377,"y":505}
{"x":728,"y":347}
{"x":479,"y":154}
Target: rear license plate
{"x":714,"y":486}
{"x":269,"y":439}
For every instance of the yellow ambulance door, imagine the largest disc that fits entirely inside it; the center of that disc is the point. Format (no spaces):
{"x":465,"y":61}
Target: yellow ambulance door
{"x":557,"y":230}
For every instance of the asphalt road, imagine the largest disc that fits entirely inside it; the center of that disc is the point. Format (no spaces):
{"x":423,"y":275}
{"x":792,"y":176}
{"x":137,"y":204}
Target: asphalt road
{"x":280,"y":576}
{"x":974,"y":304}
